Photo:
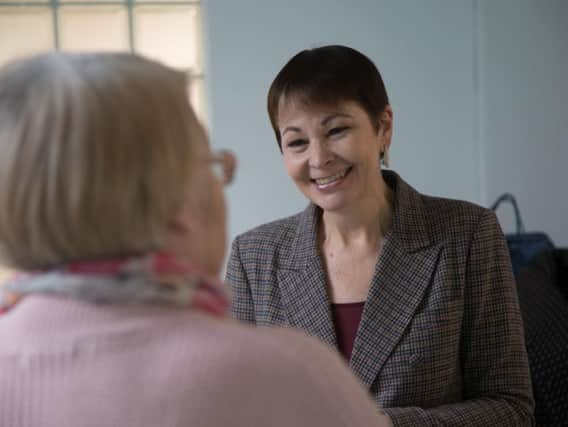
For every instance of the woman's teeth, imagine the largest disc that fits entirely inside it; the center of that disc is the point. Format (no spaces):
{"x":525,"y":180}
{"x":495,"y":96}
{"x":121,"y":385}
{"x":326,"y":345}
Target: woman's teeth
{"x":330,"y":179}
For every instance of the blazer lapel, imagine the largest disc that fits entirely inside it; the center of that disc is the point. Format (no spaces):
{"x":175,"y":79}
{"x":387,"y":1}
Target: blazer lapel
{"x":303,"y":285}
{"x":402,"y":275}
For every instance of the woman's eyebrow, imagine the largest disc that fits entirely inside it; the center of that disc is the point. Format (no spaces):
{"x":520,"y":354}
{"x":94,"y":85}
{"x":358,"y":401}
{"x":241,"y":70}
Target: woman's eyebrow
{"x":329,"y":118}
{"x":324,"y":122}
{"x":291,"y":129}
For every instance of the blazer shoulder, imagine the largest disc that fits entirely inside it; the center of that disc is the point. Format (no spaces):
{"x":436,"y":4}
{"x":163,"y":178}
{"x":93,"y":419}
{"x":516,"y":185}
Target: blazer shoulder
{"x":273,"y":233}
{"x":449,"y":216}
{"x":268,"y":245}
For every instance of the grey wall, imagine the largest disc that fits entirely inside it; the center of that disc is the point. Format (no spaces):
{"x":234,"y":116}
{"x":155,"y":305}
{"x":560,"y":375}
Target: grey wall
{"x":464,"y":79}
{"x":524,"y":114}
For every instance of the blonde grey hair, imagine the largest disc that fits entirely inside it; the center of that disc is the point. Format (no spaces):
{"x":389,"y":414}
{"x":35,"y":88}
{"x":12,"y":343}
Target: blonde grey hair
{"x":95,"y":155}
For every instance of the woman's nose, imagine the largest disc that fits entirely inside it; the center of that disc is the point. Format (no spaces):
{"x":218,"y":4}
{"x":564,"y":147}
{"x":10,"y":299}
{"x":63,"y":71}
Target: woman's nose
{"x":320,"y":154}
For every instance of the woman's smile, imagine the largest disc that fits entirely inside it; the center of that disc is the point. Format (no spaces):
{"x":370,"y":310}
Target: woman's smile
{"x":332,"y":181}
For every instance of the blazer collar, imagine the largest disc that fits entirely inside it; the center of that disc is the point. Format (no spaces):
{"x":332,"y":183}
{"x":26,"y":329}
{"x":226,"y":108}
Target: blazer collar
{"x":401,"y":277}
{"x":410,"y":223}
{"x":304,"y":248}
{"x":403,"y":274}
{"x":303,"y":284}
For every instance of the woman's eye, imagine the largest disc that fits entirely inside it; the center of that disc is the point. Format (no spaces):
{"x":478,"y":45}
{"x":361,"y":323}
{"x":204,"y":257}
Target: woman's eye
{"x":337,"y":130}
{"x":296,"y":143}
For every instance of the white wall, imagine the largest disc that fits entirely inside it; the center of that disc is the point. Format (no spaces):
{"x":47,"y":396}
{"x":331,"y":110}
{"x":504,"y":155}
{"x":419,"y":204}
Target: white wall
{"x":524,"y":119}
{"x":453,"y":124}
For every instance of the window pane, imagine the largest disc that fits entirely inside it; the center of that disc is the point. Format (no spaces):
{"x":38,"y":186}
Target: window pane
{"x":93,"y":28}
{"x":91,"y":1}
{"x":169,"y":34}
{"x":24,"y":31}
{"x":22,"y":1}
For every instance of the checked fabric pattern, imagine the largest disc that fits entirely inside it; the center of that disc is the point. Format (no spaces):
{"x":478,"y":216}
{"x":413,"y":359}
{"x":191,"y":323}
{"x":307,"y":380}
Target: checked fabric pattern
{"x":440,"y":340}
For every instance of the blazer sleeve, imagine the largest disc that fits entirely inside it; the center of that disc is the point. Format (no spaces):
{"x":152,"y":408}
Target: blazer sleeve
{"x":242,"y":307}
{"x":496,"y":378}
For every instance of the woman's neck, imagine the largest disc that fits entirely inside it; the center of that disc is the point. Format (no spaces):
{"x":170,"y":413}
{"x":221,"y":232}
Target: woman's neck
{"x":364,"y":224}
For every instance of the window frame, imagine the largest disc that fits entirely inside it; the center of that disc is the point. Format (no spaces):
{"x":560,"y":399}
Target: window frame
{"x":195,"y":78}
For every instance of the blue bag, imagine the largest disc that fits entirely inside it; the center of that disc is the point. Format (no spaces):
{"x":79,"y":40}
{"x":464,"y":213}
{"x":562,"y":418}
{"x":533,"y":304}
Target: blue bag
{"x":523,"y":246}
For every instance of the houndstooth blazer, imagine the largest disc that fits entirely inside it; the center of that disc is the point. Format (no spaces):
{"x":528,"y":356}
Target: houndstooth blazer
{"x":440,"y":340}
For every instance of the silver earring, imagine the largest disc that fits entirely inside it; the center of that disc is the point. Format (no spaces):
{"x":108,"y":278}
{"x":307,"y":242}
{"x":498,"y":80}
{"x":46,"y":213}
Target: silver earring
{"x":385,"y":160}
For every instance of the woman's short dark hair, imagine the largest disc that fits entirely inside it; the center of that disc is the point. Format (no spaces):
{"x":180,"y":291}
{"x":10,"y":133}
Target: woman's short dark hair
{"x":325,"y":76}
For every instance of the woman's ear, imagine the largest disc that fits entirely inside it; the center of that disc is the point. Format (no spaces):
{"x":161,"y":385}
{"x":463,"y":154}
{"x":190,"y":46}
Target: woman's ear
{"x":385,"y":128}
{"x":178,"y":230}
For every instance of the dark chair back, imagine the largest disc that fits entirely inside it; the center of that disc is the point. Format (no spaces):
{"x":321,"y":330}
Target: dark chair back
{"x":523,"y":246}
{"x":543,"y":297}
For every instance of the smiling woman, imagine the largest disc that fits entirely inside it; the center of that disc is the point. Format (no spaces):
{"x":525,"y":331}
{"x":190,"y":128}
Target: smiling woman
{"x":416,"y":292}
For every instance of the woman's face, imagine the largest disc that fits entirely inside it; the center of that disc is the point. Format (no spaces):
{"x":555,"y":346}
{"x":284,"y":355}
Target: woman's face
{"x":332,"y":152}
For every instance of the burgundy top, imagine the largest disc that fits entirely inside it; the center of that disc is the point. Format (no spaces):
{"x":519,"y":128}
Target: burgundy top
{"x":346,"y":318}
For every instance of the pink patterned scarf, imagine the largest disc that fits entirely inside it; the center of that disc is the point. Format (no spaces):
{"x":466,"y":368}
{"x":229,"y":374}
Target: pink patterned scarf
{"x":154,"y":278}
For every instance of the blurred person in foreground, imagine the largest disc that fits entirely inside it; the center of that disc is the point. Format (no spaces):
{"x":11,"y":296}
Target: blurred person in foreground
{"x":112,"y":213}
{"x":416,"y":292}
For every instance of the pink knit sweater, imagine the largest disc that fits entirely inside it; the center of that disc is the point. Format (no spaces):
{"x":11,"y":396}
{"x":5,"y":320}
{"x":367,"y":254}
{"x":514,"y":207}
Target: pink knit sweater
{"x":68,"y":363}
